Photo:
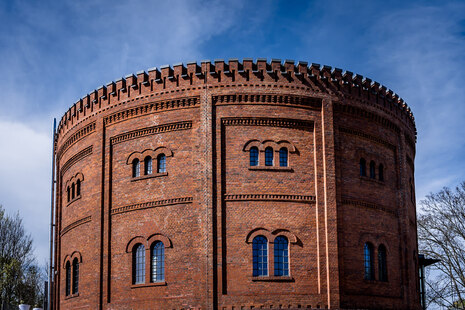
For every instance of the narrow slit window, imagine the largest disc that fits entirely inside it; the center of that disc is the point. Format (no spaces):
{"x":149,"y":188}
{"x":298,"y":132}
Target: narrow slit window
{"x":281,"y":256}
{"x":135,"y":168}
{"x":260,"y":256}
{"x":372,"y":170}
{"x":73,"y":190}
{"x":363,"y":167}
{"x":139,"y":264}
{"x":148,"y":165}
{"x":75,"y":276}
{"x":161,"y":163}
{"x":368,"y":261}
{"x":253,"y":156}
{"x":382,"y":264}
{"x":283,"y":157}
{"x":158,"y":262}
{"x":69,"y":193}
{"x":78,"y":188}
{"x":269,"y":156}
{"x":68,"y":279}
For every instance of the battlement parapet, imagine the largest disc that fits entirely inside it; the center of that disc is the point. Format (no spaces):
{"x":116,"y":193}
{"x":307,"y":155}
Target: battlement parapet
{"x":323,"y":79}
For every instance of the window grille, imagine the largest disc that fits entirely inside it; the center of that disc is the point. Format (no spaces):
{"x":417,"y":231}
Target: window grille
{"x":269,"y":156}
{"x":281,"y":256}
{"x":283,"y":155}
{"x":161,"y":163}
{"x":254,"y":156}
{"x":158,"y":262}
{"x":260,"y":256}
{"x":139,"y":264}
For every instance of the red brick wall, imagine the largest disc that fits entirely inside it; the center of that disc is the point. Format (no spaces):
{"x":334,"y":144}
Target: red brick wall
{"x":210,"y":203}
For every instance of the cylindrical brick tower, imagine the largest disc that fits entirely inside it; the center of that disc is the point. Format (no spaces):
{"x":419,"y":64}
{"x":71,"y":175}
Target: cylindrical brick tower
{"x":236,"y":185}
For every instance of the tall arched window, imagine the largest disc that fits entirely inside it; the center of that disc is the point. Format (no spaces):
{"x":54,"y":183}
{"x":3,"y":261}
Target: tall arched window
{"x":260,"y":256}
{"x":135,"y":168}
{"x":68,"y":279}
{"x":78,"y":188}
{"x":281,"y":256}
{"x":158,"y":262}
{"x":69,"y":193}
{"x":381,"y":172}
{"x":148,"y":165}
{"x":382,"y":264}
{"x":269,"y":156}
{"x":372,"y":170}
{"x":73,"y":191}
{"x":138,"y":264}
{"x":363,"y":167}
{"x":75,"y":276}
{"x":161,"y":163}
{"x":283,"y":157}
{"x":368,"y":261}
{"x":254,"y":156}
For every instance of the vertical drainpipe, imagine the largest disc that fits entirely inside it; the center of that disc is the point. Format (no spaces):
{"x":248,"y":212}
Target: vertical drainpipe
{"x":52,"y":225}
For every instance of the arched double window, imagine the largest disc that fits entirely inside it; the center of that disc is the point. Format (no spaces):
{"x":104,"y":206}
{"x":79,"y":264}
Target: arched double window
{"x":254,"y":156}
{"x":269,"y":156}
{"x":363,"y":167}
{"x":135,"y":168}
{"x":372,"y":170}
{"x":283,"y":157}
{"x":382,"y":264}
{"x":281,"y":256}
{"x":260,"y":256}
{"x":161,"y":163}
{"x":68,"y":279}
{"x":148,"y":165}
{"x":368,"y":261}
{"x":75,"y":276}
{"x":138,"y":262}
{"x":157,"y":264}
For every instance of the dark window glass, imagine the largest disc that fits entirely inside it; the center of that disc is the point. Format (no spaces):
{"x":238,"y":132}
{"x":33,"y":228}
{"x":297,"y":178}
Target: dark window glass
{"x":372,"y":170}
{"x":381,"y":172}
{"x":75,"y":276}
{"x":135,"y":168}
{"x":139,"y":264}
{"x":148,"y":165}
{"x":368,"y":261}
{"x":269,"y":156}
{"x":283,"y":157}
{"x":363,"y":167}
{"x":161,"y":163}
{"x":281,"y":256}
{"x":254,"y":156}
{"x":73,"y":191}
{"x":78,"y":188}
{"x":69,"y":193}
{"x":68,"y":279}
{"x":260,"y":256}
{"x":158,"y":262}
{"x":382,"y":265}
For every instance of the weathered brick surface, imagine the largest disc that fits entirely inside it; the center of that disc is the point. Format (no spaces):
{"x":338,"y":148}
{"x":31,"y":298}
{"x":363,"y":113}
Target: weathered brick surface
{"x":210,"y":203}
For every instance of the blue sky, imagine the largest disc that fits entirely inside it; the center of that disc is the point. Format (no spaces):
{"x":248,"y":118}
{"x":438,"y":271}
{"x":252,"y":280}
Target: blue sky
{"x":54,"y":52}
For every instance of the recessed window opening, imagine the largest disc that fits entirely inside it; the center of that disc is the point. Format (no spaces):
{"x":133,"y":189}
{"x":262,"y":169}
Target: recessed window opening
{"x":363,"y":169}
{"x":139,"y":264}
{"x":158,"y":262}
{"x":254,"y":156}
{"x":382,"y":264}
{"x":260,"y":256}
{"x":135,"y":168}
{"x":68,"y":279}
{"x":73,"y":191}
{"x":161,"y":163}
{"x":281,"y":256}
{"x":75,"y":276}
{"x":372,"y":170}
{"x":269,"y":156}
{"x":368,"y":261}
{"x":148,"y":165}
{"x":283,"y":157}
{"x":78,"y":188}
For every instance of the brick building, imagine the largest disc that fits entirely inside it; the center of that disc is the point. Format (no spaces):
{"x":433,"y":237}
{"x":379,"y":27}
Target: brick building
{"x":236,"y":185}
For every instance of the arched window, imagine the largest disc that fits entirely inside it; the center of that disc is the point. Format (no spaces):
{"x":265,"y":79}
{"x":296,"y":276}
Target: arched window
{"x":69,"y":193}
{"x":78,"y":188}
{"x":161,"y":163}
{"x":368,"y":261}
{"x":138,"y":255}
{"x":381,"y":172}
{"x":73,"y":191}
{"x":372,"y":170}
{"x":363,"y":167}
{"x":75,"y":276}
{"x":158,"y":262}
{"x":260,"y":256}
{"x":382,"y":264}
{"x":68,"y":279}
{"x":135,"y":168}
{"x":283,"y":157}
{"x":281,"y":256}
{"x":269,"y":156}
{"x":254,"y":156}
{"x":148,"y":165}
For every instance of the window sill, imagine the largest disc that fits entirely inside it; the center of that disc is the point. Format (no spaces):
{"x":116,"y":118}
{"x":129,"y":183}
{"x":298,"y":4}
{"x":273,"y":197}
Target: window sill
{"x":161,"y":283}
{"x":149,"y":176}
{"x":365,"y":178}
{"x":273,"y":279}
{"x":73,"y":200}
{"x":72,"y":296}
{"x":271,"y":168}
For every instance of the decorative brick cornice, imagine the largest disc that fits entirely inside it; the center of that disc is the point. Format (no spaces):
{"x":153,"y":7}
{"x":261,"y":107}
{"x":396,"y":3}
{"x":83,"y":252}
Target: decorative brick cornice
{"x":287,"y":100}
{"x":77,"y":157}
{"x":368,"y":205}
{"x":152,"y":107}
{"x":368,"y":137}
{"x":78,"y":135}
{"x":75,"y":224}
{"x":152,"y":204}
{"x":269,"y":197}
{"x":269,"y":122}
{"x":148,"y":131}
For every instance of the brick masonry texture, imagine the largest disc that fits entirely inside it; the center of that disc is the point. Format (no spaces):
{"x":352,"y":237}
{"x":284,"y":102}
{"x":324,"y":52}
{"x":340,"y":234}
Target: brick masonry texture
{"x":210,"y":203}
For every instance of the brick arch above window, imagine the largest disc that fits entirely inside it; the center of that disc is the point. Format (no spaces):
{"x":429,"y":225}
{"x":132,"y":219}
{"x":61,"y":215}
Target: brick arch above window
{"x":149,"y":152}
{"x":262,"y":145}
{"x":159,"y":237}
{"x":70,"y":257}
{"x":78,"y":176}
{"x":134,"y":241}
{"x":258,"y":232}
{"x":284,"y":232}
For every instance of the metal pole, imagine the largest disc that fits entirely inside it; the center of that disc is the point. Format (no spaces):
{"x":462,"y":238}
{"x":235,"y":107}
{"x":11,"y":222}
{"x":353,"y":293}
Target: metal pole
{"x":52,"y":204}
